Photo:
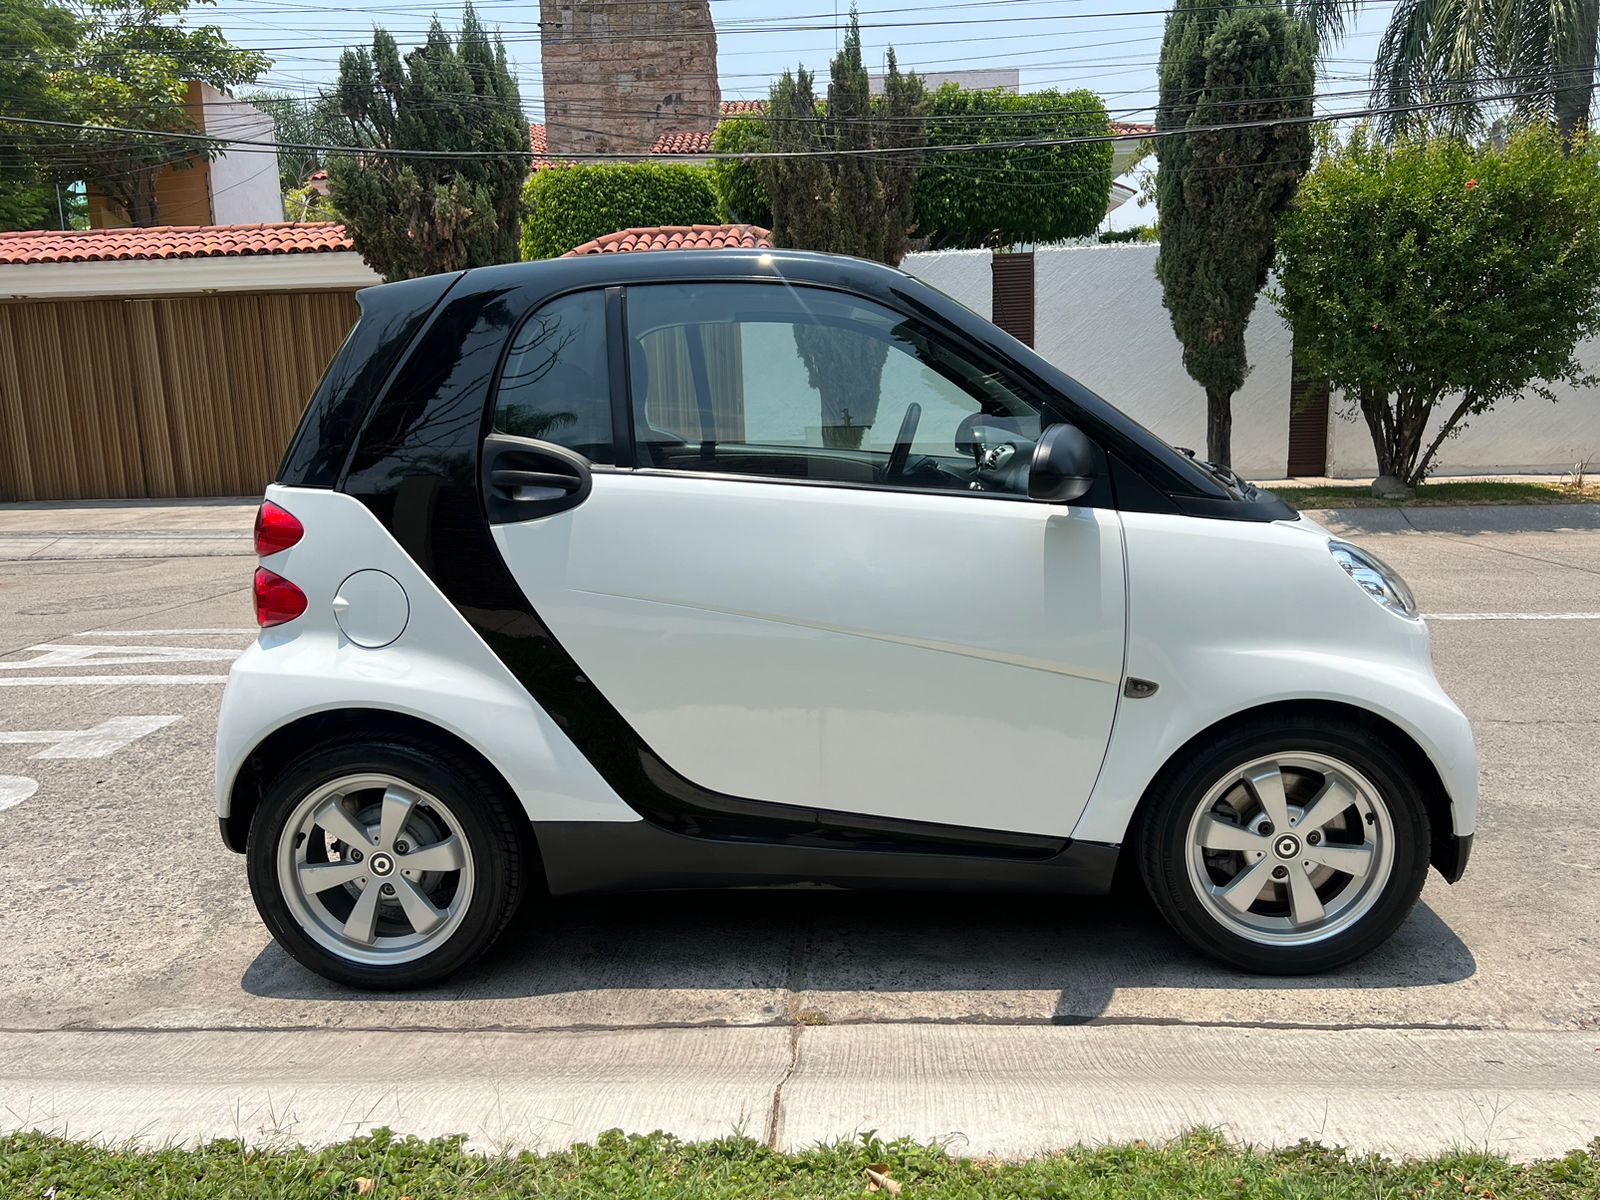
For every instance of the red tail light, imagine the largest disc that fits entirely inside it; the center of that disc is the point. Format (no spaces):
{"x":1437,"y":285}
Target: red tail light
{"x":277,"y":600}
{"x":276,"y":529}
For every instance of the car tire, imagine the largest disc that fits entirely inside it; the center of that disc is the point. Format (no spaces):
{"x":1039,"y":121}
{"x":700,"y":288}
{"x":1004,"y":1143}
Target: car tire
{"x":447,"y":853}
{"x":1206,"y":839}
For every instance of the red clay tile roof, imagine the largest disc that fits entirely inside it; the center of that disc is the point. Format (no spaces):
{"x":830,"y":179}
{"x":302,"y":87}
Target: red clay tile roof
{"x":679,"y":237}
{"x":170,"y":241}
{"x":537,"y":136}
{"x":732,"y":108}
{"x":1126,"y":127}
{"x":683,"y":141}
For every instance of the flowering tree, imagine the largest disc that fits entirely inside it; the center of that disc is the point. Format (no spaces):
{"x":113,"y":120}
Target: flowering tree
{"x":1431,"y":280}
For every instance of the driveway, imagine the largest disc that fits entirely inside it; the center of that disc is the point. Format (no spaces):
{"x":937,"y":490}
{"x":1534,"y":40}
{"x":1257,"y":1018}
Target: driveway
{"x":141,"y":994}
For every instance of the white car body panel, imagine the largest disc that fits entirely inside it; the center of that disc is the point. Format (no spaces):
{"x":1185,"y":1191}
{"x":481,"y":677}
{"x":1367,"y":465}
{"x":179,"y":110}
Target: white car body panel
{"x":945,"y":658}
{"x":438,"y":670}
{"x":1225,"y":616}
{"x":1230,"y":615}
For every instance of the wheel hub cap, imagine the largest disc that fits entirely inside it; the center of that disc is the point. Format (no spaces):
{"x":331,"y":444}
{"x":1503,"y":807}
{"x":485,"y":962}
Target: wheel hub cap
{"x":1287,"y":846}
{"x":381,"y":865}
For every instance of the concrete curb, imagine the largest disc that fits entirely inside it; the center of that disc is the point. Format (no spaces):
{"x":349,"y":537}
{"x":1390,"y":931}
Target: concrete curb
{"x":1002,"y":1091}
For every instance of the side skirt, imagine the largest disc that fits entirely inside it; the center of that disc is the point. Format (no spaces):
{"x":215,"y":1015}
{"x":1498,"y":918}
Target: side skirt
{"x":585,"y":857}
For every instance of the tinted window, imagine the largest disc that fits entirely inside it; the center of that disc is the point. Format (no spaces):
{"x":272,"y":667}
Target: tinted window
{"x":768,"y":379}
{"x":391,"y":316}
{"x":555,"y":386}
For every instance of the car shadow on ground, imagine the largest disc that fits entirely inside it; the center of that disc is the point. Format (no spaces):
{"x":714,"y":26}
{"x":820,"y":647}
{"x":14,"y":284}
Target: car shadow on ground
{"x":866,"y":956}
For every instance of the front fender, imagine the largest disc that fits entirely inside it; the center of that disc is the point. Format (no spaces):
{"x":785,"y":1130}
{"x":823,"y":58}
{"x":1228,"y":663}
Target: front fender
{"x":1150,"y":731}
{"x":1230,"y":616}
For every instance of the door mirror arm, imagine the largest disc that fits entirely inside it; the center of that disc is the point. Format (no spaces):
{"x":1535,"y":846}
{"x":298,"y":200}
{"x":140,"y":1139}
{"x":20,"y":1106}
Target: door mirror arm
{"x":1063,"y":466}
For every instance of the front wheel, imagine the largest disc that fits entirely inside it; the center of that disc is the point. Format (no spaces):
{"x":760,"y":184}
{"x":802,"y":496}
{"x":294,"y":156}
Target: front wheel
{"x":385,"y":865}
{"x":1287,"y":849}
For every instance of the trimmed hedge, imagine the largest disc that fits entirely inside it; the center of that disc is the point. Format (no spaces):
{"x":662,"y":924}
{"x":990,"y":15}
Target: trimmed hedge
{"x":568,"y":206}
{"x":973,"y":199}
{"x":741,"y":196}
{"x":1000,"y":197}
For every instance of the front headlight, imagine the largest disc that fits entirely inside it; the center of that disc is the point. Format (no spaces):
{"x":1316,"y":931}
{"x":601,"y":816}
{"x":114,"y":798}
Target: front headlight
{"x":1375,"y":577}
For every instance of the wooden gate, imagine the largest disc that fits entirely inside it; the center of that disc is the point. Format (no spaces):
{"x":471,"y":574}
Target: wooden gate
{"x":1012,"y":305}
{"x":167,"y":396}
{"x":1308,"y":423}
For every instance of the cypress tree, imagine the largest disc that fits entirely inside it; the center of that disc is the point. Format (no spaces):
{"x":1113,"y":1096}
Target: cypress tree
{"x":1219,"y":192}
{"x":419,"y":216}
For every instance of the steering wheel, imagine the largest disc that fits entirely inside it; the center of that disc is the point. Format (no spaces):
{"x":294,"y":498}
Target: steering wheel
{"x":901,"y":454}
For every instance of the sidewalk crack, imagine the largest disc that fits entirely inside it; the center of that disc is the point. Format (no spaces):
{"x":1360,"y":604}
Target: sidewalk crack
{"x":799,"y":956}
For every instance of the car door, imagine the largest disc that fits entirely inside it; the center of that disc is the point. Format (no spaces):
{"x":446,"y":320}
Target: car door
{"x":796,"y":589}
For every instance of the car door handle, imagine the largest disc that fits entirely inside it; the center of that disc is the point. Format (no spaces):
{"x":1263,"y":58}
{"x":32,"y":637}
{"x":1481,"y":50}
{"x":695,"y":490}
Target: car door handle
{"x":522,"y":479}
{"x":513,"y":481}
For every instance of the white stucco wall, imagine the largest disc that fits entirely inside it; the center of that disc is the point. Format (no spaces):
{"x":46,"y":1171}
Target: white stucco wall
{"x":1101,"y":320}
{"x":1529,"y":436}
{"x":244,"y":182}
{"x":964,"y":275}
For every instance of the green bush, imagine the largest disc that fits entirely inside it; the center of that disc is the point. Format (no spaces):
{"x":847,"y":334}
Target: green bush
{"x":1430,"y":280}
{"x":570,"y":205}
{"x":741,"y":196}
{"x":1134,"y":233}
{"x":1030,"y":194}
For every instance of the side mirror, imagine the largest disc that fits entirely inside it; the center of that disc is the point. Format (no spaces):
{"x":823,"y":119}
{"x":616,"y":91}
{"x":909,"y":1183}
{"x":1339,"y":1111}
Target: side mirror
{"x":1063,"y":466}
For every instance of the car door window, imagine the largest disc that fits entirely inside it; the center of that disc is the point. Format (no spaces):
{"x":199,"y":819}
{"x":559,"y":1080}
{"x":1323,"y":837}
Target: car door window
{"x":555,"y":385}
{"x":772,"y":380}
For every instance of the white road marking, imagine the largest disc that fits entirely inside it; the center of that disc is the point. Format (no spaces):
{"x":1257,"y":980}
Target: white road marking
{"x":96,"y":742}
{"x":1515,"y":616}
{"x":164,"y":632}
{"x":49,"y":654}
{"x":14,"y":789}
{"x":108,"y":680}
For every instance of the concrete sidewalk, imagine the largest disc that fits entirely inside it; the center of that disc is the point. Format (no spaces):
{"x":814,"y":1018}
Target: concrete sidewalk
{"x":990,"y":1091}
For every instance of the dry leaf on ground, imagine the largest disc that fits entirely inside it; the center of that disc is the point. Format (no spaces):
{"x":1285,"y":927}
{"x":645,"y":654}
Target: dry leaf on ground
{"x":878,"y":1180}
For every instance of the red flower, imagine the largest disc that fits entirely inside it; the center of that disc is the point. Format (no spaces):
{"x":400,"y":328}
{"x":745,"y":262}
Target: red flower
{"x":1471,"y":183}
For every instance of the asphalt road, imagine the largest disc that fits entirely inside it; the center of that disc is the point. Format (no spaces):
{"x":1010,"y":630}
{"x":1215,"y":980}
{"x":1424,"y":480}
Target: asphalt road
{"x":127,"y":935}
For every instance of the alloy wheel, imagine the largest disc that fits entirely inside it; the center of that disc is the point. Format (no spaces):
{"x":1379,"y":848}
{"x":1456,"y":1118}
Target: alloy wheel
{"x":1290,"y":849}
{"x":375,"y":870}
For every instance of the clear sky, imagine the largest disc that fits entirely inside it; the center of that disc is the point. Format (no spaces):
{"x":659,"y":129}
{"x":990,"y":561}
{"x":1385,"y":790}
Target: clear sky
{"x":1109,"y":46}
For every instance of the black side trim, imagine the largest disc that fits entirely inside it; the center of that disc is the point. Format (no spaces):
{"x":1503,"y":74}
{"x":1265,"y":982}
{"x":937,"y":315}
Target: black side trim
{"x":622,"y":435}
{"x":613,"y":856}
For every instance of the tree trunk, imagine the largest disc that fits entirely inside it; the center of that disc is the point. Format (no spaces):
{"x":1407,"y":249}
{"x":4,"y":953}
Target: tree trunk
{"x":1219,"y":427}
{"x":136,"y":197}
{"x":1390,"y":431}
{"x":1574,"y":75}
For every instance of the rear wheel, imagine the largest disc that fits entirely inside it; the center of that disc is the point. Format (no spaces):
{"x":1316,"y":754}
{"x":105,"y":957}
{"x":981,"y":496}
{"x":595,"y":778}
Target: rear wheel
{"x":1287,"y":849}
{"x":385,"y":865}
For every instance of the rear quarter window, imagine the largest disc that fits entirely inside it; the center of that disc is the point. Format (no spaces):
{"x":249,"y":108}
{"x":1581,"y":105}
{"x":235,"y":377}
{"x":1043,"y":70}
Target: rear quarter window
{"x":391,"y":317}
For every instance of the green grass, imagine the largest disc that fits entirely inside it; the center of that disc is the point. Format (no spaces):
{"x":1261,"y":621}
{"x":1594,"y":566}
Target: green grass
{"x":385,"y":1167}
{"x":1469,"y":492}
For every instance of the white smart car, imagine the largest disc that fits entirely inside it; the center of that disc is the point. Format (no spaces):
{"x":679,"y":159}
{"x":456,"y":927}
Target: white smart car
{"x":732,"y":568}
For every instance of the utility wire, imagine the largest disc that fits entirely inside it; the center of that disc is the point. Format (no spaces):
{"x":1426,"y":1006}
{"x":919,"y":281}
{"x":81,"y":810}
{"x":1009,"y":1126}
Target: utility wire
{"x":880,"y":151}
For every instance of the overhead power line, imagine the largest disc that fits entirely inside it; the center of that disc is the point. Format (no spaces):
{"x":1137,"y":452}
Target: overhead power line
{"x":885,"y":151}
